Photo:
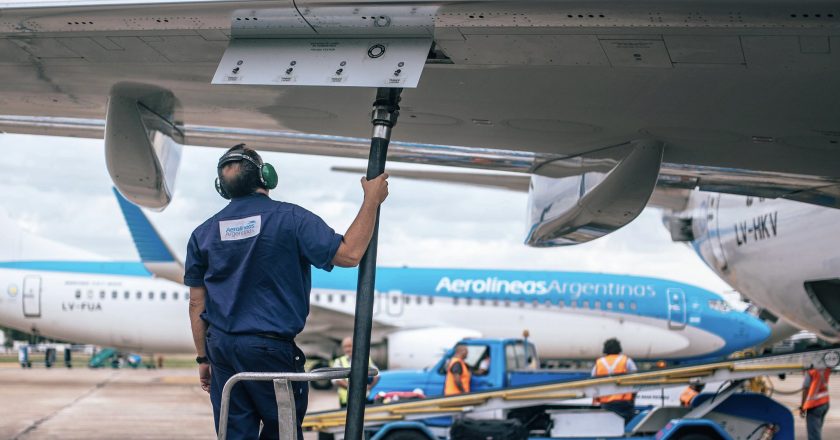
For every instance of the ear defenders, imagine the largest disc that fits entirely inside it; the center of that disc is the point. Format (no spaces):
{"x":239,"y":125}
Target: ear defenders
{"x":267,"y":174}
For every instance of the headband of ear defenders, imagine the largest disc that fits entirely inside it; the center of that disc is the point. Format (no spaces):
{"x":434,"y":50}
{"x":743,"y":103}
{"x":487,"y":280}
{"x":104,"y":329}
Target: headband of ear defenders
{"x":266,"y":173}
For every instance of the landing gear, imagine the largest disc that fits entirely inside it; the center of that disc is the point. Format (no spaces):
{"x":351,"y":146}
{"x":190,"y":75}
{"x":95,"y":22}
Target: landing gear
{"x":322,"y":385}
{"x":386,"y":110}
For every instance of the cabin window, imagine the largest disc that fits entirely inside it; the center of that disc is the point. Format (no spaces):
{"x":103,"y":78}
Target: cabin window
{"x":329,"y":297}
{"x":162,"y":295}
{"x":507,"y":303}
{"x":139,"y":295}
{"x":455,"y":301}
{"x":187,"y":296}
{"x":114,"y":294}
{"x":395,"y":300}
{"x":343,"y":298}
{"x":573,"y":304}
{"x":90,"y":294}
{"x":547,"y":303}
{"x":585,"y":304}
{"x":479,"y":359}
{"x":633,"y":305}
{"x":495,"y":303}
{"x":430,"y":300}
{"x":481,"y":302}
{"x":151,"y":295}
{"x":174,"y":295}
{"x":598,"y":305}
{"x":621,"y":305}
{"x":469,"y":301}
{"x":78,"y":294}
{"x":609,"y":305}
{"x":126,"y":294}
{"x":418,"y":299}
{"x":101,"y":294}
{"x":535,"y":303}
{"x":407,"y":299}
{"x":317,"y":298}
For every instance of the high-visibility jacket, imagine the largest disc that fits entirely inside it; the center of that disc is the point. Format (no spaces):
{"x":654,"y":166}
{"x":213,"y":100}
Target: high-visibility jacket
{"x":610,"y":365}
{"x":687,"y":396}
{"x":344,"y":362}
{"x":818,"y":390}
{"x":449,"y":388}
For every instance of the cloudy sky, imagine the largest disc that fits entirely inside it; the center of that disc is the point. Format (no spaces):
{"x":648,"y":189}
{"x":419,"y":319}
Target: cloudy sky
{"x":59,"y":188}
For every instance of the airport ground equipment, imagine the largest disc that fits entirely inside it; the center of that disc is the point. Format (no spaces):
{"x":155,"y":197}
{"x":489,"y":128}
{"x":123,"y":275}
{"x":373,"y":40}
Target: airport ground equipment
{"x":512,"y":363}
{"x":283,"y":393}
{"x":727,"y":414}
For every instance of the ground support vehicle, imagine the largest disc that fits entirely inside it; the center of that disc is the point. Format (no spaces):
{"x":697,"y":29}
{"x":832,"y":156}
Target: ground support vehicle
{"x":727,"y":414}
{"x":496,"y":364}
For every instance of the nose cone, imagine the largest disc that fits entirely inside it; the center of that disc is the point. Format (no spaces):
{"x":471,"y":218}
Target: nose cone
{"x":752,"y":332}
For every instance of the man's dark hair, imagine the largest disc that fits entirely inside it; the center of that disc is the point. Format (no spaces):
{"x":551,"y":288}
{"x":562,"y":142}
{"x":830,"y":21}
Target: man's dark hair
{"x":612,"y":346}
{"x":246,"y":179}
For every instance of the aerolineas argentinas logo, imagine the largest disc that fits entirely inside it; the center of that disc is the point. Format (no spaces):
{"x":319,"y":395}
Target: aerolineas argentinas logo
{"x":239,"y":229}
{"x":574,"y":289}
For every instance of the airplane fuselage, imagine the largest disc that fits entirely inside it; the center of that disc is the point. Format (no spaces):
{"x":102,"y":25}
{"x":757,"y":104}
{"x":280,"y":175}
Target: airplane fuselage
{"x":780,"y":254}
{"x":568,"y":315}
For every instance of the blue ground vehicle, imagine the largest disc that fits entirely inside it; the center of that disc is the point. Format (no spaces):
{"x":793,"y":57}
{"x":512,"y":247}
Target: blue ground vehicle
{"x":505,"y":362}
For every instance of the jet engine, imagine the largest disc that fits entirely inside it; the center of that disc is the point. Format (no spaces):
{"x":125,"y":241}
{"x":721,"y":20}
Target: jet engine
{"x":420,"y":348}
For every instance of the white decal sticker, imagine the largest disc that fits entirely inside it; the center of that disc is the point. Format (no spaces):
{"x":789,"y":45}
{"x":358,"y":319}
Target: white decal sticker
{"x":240,"y":229}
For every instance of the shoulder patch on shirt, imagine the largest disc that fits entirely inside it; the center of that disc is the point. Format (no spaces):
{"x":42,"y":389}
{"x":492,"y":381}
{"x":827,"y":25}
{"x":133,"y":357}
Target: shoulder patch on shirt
{"x":240,"y":229}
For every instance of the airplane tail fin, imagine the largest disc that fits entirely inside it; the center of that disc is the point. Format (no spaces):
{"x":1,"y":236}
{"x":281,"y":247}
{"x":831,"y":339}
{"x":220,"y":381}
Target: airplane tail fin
{"x":154,"y":252}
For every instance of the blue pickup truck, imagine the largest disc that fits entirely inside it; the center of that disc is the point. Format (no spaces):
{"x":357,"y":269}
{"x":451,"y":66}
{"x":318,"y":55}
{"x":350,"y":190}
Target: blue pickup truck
{"x":495,"y":364}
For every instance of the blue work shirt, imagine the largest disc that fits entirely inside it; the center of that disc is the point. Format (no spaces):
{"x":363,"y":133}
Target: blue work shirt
{"x":254,"y":259}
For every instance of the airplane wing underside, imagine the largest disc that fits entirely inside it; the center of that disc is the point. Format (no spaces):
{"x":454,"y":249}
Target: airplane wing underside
{"x":728,"y":96}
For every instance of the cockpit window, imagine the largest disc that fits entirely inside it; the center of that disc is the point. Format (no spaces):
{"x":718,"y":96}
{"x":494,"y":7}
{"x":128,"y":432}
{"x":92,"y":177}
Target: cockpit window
{"x":720,"y":305}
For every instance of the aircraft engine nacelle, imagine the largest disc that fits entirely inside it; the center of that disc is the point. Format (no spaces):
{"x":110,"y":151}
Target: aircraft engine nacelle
{"x":143,"y":143}
{"x":421,"y":348}
{"x":597,"y":193}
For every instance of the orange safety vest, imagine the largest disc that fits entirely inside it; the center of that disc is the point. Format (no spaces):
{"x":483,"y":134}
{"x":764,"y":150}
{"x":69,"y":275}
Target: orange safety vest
{"x":687,"y":396}
{"x":449,"y":388}
{"x":610,"y":365}
{"x":818,"y":391}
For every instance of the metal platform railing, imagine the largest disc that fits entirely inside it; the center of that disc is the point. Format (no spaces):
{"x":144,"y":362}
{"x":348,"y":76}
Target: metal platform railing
{"x":283,"y":393}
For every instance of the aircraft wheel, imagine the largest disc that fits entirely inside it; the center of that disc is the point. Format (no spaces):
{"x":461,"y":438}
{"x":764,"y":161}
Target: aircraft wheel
{"x":321,"y":385}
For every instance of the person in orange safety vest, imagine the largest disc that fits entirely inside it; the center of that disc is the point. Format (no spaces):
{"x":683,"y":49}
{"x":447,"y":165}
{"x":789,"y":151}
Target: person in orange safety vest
{"x":614,"y":362}
{"x":815,"y":400}
{"x":457,"y":373}
{"x":690,"y":393}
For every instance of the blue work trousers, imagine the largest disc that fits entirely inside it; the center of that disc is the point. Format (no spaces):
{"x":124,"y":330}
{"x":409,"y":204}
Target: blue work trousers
{"x":250,"y":401}
{"x":814,"y":419}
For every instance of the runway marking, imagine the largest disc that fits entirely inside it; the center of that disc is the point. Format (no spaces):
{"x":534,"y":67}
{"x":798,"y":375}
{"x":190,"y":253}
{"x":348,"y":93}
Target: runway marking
{"x":47,"y":418}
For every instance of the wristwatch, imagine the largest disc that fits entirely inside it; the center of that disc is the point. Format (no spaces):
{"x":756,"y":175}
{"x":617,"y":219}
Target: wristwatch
{"x":202,"y":360}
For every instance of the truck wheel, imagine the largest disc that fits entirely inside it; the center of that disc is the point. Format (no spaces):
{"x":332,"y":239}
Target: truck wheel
{"x":322,"y":385}
{"x":404,"y":434}
{"x":697,"y":436}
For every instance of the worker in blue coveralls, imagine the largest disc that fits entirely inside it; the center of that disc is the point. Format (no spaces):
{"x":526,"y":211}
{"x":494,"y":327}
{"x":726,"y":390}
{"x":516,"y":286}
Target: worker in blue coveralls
{"x":248,"y":268}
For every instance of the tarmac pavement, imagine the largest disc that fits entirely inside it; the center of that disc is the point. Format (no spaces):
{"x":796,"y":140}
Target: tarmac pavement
{"x":165,"y":404}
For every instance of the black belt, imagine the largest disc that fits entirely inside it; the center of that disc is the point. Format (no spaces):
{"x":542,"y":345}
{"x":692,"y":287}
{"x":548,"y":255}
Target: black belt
{"x":275,"y":337}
